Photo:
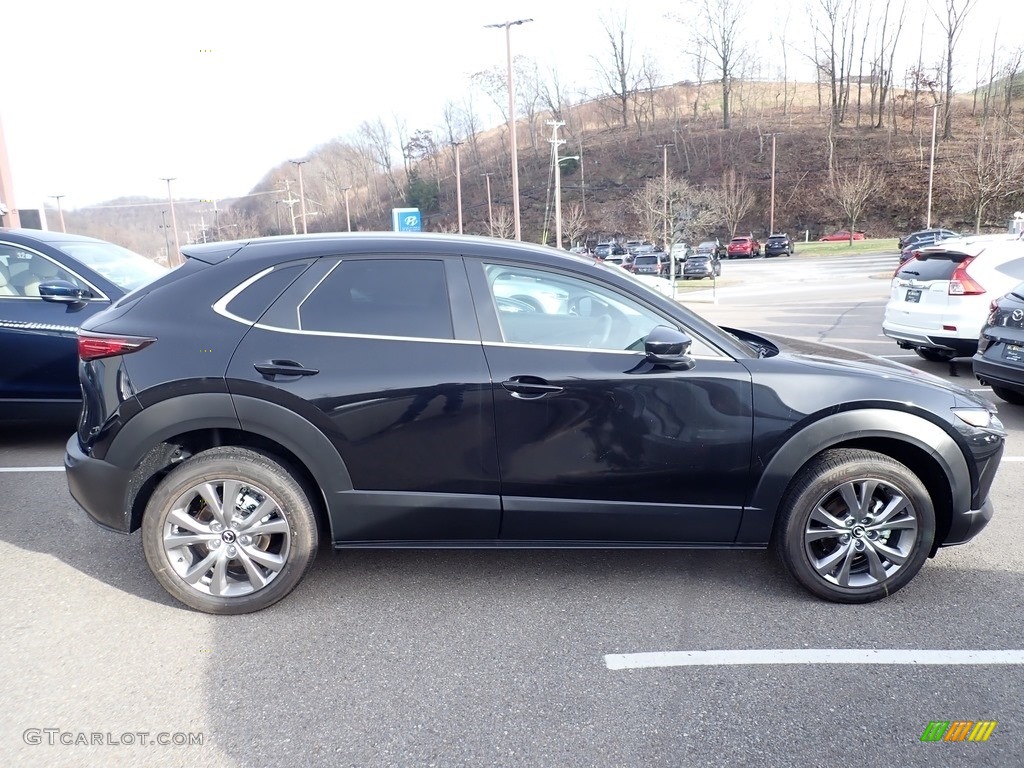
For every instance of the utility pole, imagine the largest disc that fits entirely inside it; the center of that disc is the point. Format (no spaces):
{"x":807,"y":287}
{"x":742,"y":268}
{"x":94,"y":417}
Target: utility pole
{"x":931,"y":165}
{"x":512,"y":121}
{"x":302,"y":196}
{"x":290,"y":202}
{"x":555,"y":144}
{"x":583,"y":175}
{"x":490,"y":211}
{"x":60,"y":212}
{"x":167,"y":242}
{"x":174,"y":224}
{"x":458,"y":182}
{"x":771,"y":205}
{"x":348,"y":218}
{"x":664,"y":212}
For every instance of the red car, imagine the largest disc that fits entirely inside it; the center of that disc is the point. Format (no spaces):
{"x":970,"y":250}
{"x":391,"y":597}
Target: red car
{"x":842,"y":234}
{"x":743,"y":246}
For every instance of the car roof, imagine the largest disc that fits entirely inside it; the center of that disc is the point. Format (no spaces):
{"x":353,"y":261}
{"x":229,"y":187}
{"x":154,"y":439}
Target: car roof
{"x":972,"y":245}
{"x":46,"y":236}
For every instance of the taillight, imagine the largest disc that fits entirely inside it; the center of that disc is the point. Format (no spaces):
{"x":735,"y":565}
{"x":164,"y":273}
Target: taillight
{"x":93,"y":346}
{"x":962,"y":284}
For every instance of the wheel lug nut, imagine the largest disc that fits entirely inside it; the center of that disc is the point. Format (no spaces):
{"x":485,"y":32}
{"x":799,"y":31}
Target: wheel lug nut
{"x":850,"y":521}
{"x":845,"y":538}
{"x":872,"y":535}
{"x":215,"y":543}
{"x":245,"y":540}
{"x":231,"y":551}
{"x":859,"y":544}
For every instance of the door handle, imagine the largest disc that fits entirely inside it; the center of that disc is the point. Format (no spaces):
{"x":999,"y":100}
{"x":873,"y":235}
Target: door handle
{"x":273,"y":368}
{"x":529,"y":387}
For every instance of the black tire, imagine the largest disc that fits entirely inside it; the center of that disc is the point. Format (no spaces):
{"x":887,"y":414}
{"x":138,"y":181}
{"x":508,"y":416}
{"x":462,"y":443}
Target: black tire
{"x":934,"y":355}
{"x":1012,"y":396}
{"x":286,"y":532}
{"x":802,"y":533}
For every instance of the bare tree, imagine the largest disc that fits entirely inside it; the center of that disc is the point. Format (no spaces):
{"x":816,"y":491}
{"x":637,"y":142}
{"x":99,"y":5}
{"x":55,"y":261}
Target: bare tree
{"x":887,"y":47}
{"x":953,"y":25}
{"x":994,"y":173}
{"x":574,"y":222}
{"x":1011,"y":69}
{"x":718,"y":29}
{"x":691,"y":212}
{"x":851,"y":190}
{"x":378,"y":136}
{"x":504,"y":226}
{"x":619,"y":75}
{"x":737,"y":199}
{"x":529,"y":90}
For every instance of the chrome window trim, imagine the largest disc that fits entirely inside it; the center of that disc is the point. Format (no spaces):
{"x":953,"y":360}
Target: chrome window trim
{"x":344,"y":335}
{"x":98,"y":298}
{"x":221,"y":305}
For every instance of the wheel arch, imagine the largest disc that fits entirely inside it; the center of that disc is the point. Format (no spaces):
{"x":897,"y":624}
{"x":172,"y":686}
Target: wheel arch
{"x":162,"y":438}
{"x":924,"y":447}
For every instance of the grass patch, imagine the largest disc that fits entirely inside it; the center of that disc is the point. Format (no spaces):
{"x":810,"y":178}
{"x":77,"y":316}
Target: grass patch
{"x":813,"y":248}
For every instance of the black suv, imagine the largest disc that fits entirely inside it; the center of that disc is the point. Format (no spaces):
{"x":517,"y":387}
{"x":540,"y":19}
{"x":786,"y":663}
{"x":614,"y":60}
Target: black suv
{"x":389,"y":390}
{"x":778,"y":245}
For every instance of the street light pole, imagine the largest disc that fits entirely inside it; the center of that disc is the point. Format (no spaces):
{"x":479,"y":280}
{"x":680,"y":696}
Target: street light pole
{"x":174,"y":224}
{"x":348,"y":218}
{"x":302,"y":196}
{"x":931,"y":165}
{"x":664,"y":192}
{"x":490,"y":211}
{"x":458,"y":182}
{"x":60,"y":211}
{"x":512,"y":122}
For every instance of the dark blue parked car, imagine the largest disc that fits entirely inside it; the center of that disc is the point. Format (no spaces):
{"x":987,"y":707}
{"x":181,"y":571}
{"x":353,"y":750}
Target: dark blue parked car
{"x":49,"y":283}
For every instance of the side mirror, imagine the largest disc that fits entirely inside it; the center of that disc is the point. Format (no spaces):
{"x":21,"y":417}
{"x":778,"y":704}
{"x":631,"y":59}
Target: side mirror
{"x":62,"y":292}
{"x":669,"y":348}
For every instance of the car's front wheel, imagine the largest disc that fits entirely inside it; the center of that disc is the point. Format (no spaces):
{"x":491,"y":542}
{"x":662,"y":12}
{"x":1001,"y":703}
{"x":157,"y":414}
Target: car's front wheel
{"x":229,"y":531}
{"x":855,"y":526}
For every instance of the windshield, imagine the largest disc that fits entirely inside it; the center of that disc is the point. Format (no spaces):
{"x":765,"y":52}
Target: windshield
{"x":125,"y":269}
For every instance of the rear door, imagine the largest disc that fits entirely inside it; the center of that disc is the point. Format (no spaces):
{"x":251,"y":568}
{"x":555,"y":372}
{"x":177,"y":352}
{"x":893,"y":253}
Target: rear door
{"x":384,"y":355}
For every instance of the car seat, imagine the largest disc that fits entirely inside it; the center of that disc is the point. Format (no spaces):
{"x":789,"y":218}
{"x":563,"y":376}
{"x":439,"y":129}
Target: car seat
{"x":40,"y":271}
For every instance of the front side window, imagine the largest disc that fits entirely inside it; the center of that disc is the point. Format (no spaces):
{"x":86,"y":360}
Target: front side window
{"x":22,"y":272}
{"x":380,"y":297}
{"x":541,"y":308}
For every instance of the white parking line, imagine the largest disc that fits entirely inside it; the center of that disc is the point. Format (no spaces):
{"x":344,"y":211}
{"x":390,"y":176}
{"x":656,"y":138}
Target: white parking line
{"x":809,"y":656}
{"x":31,"y":469}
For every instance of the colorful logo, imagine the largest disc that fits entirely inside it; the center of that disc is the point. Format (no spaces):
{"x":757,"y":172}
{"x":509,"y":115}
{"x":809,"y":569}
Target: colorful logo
{"x":958,"y":730}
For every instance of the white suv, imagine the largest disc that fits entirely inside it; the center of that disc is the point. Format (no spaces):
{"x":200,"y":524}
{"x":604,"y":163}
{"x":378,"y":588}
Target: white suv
{"x":940,"y":297}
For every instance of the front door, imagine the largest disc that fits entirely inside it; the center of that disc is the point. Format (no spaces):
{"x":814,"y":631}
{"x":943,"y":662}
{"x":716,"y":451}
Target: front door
{"x":594,"y":443}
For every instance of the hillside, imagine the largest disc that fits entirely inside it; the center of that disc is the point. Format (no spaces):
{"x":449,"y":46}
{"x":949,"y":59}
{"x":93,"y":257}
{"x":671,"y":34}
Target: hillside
{"x":616,"y":161}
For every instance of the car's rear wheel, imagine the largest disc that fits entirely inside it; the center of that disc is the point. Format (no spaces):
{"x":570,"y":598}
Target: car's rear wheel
{"x":935,"y":355}
{"x":229,"y":531}
{"x":1012,"y":396}
{"x":855,"y":526}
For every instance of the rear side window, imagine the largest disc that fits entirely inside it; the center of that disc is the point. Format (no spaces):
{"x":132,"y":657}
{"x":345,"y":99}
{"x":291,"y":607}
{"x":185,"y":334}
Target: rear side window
{"x":252,"y":301}
{"x":935,"y":266}
{"x":380,"y":297}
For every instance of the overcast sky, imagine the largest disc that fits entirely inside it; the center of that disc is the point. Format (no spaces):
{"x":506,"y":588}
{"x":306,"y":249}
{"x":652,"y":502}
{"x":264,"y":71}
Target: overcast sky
{"x":102,"y":98}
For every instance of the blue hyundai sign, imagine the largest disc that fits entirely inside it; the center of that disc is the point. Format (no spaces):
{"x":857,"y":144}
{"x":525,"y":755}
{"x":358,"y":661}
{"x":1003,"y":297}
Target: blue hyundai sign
{"x":406,"y":220}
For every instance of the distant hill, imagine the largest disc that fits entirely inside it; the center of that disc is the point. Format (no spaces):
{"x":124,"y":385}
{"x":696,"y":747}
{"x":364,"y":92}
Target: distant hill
{"x":616,"y":161}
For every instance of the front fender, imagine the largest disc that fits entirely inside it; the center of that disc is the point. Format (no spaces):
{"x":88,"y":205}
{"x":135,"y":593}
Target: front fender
{"x":760,"y":515}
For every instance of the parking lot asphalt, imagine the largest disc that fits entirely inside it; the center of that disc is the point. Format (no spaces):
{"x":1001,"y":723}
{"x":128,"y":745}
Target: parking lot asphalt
{"x":453,"y":658}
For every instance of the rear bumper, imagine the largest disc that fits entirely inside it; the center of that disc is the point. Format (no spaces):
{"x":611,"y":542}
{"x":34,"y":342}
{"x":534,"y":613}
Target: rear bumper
{"x":994,"y":372}
{"x":98,"y":487}
{"x":916,"y":337}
